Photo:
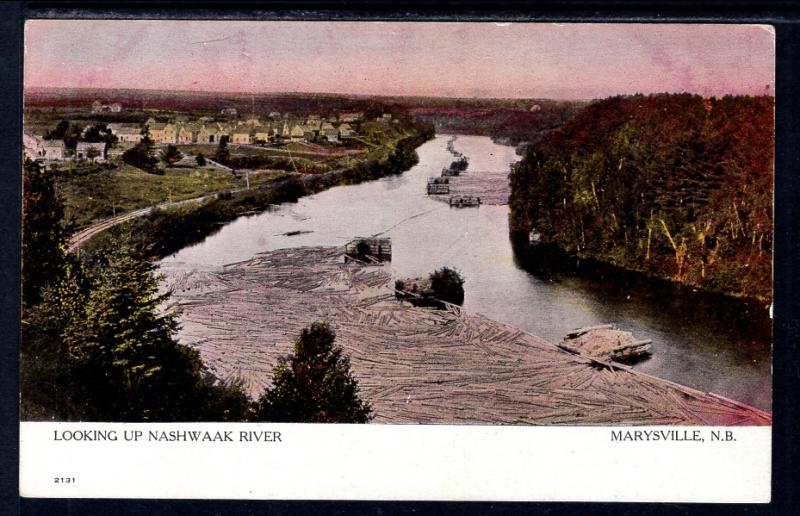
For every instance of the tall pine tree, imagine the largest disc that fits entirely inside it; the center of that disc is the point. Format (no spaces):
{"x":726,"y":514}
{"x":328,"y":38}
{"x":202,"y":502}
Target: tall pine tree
{"x":315,"y":384}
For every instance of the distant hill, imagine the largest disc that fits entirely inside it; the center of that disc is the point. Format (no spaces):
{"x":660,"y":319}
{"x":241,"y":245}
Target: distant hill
{"x":198,"y":102}
{"x":678,"y":186}
{"x":507,"y":120}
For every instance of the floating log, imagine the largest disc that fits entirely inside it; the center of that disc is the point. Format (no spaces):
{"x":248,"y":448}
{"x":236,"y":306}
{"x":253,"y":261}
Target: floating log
{"x":416,"y":365}
{"x":604,"y":342}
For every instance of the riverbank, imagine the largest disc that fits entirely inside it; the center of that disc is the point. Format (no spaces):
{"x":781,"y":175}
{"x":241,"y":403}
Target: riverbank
{"x":694,"y":207}
{"x":416,"y":365}
{"x":550,"y":262}
{"x":160,"y":232}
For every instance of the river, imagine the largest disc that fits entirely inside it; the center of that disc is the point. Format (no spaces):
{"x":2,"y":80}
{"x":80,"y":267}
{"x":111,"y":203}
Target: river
{"x":694,"y":347}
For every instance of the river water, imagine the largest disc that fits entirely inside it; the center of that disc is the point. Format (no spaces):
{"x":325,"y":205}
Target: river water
{"x":694,"y":347}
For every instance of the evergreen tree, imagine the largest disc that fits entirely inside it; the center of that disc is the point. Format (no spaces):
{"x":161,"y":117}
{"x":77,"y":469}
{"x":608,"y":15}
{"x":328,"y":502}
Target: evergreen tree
{"x":315,"y":384}
{"x":127,"y":365}
{"x":171,"y":155}
{"x":222,"y":154}
{"x":201,"y":160}
{"x":141,"y":155}
{"x":43,"y":237}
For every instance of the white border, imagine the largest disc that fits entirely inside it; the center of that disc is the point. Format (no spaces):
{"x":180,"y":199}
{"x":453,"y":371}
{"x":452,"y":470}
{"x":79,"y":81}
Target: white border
{"x":399,"y":462}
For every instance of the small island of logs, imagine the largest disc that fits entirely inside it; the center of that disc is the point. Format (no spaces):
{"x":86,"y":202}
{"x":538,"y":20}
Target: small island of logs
{"x":604,"y":342}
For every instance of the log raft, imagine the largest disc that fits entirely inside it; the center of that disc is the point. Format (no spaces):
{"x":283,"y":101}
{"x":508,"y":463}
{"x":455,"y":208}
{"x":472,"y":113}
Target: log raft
{"x":416,"y":364}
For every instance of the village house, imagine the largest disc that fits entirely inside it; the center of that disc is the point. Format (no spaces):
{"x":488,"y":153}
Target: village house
{"x":351,"y":117}
{"x":210,"y":133}
{"x":275,"y":115}
{"x":188,"y":133}
{"x":163,"y":133}
{"x":329,"y":132}
{"x":91,"y":151}
{"x":309,"y":133}
{"x":150,"y":121}
{"x":286,"y":130}
{"x":241,"y":136}
{"x":33,"y":146}
{"x":128,"y":134}
{"x":346,"y":131}
{"x":54,"y":150}
{"x":313,"y":125}
{"x":262,"y":134}
{"x":99,"y":107}
{"x":298,"y":133}
{"x":229,"y":111}
{"x":253,"y":121}
{"x":385,"y":118}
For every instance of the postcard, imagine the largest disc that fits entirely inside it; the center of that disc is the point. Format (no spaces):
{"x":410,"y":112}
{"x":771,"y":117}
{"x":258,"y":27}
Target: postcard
{"x":397,"y":260}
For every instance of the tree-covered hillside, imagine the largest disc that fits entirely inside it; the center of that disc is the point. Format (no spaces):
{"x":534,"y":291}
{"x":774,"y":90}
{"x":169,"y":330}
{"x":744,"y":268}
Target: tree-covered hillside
{"x":679,"y":186}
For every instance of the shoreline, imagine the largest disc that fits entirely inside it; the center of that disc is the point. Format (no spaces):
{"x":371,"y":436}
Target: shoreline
{"x":545,"y":259}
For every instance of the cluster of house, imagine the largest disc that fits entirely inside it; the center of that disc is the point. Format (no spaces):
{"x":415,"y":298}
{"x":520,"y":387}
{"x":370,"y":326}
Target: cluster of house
{"x":99,"y":107}
{"x":250,"y":131}
{"x":38,"y":149}
{"x":253,"y":130}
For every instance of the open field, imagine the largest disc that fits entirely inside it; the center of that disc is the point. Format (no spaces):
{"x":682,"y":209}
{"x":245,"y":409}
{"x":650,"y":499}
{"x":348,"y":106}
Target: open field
{"x":417,"y":365}
{"x":95,"y":192}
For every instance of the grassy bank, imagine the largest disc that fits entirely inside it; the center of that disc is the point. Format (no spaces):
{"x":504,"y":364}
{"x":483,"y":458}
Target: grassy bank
{"x":94,"y":192}
{"x":166,"y":231}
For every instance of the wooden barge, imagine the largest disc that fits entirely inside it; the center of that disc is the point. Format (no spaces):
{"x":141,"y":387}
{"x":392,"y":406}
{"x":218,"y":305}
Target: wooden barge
{"x":368,"y":250}
{"x":464,"y":201}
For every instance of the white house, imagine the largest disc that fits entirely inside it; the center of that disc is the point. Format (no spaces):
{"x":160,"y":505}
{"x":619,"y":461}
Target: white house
{"x":91,"y":151}
{"x":33,"y":146}
{"x":128,"y":134}
{"x":54,"y":150}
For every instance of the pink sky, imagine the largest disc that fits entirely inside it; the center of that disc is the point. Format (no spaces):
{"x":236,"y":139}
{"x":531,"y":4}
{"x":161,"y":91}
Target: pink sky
{"x":547,"y":60}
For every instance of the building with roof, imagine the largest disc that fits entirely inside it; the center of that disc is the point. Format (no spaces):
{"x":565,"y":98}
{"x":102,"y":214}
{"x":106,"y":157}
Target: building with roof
{"x":91,"y":151}
{"x":163,"y":133}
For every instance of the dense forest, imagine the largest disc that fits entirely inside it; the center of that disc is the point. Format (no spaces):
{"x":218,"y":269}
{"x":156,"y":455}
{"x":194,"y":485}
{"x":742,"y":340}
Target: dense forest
{"x":676,"y":186}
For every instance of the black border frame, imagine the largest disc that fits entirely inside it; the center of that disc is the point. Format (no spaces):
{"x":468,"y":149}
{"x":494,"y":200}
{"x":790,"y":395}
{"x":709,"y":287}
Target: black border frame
{"x":784,"y":15}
